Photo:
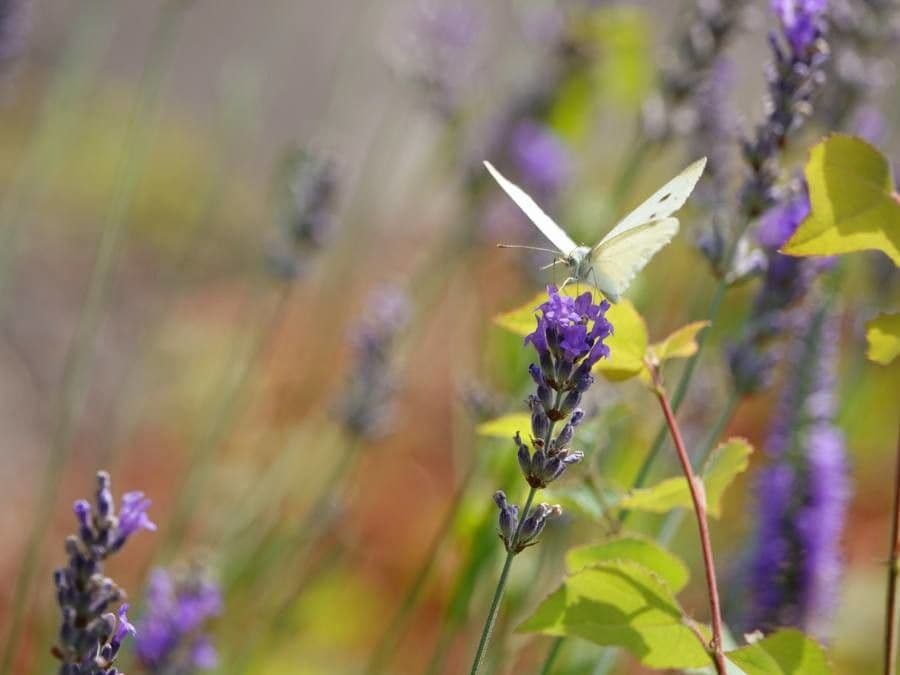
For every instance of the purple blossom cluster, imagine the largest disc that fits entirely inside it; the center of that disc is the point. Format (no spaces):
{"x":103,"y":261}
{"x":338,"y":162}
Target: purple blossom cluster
{"x":365,"y":407}
{"x":90,"y":636}
{"x":569,"y":340}
{"x":802,"y":493}
{"x":171,"y":639}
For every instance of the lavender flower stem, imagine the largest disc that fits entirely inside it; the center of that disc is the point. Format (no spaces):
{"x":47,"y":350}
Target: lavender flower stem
{"x":890,"y":633}
{"x":699,"y":501}
{"x":511,"y":553}
{"x":80,"y":353}
{"x":501,"y":587}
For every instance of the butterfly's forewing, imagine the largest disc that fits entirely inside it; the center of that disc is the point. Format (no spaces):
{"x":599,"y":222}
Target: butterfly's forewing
{"x":542,"y":221}
{"x":616,"y":260}
{"x":663,"y":203}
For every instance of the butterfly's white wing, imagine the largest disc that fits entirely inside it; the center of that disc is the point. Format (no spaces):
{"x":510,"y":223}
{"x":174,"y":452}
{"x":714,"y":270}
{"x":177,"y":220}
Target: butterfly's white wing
{"x":663,"y":203}
{"x":615,"y":261}
{"x":542,"y":221}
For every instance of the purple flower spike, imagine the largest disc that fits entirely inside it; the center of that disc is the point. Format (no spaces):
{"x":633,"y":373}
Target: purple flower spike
{"x":171,"y":636}
{"x":802,"y":494}
{"x":800,"y":20}
{"x":540,"y":157}
{"x":90,"y":634}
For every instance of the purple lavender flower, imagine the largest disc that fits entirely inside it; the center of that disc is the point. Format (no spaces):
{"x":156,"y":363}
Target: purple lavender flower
{"x":15,"y":17}
{"x":802,"y":493}
{"x":305,"y":196}
{"x":366,"y":404}
{"x":801,"y":21}
{"x":540,"y":158}
{"x":90,"y":636}
{"x":793,"y":80}
{"x":569,"y":340}
{"x":171,"y":637}
{"x":786,"y":282}
{"x":441,"y":52}
{"x":674,"y":108}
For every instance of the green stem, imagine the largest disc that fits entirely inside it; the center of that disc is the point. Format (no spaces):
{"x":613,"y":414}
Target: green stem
{"x":890,"y":632}
{"x":78,"y":358}
{"x":555,"y":648}
{"x":627,"y":173}
{"x":501,"y":588}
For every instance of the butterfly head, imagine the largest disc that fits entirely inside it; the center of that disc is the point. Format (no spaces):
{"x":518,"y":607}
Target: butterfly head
{"x":579,"y":262}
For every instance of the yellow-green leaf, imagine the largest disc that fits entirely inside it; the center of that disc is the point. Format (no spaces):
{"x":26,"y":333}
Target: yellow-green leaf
{"x":627,"y":344}
{"x":622,"y":604}
{"x":681,"y":344}
{"x":787,"y":652}
{"x":883,"y":336}
{"x":854,"y":203}
{"x":505,"y":426}
{"x":726,"y":461}
{"x":636,"y":549}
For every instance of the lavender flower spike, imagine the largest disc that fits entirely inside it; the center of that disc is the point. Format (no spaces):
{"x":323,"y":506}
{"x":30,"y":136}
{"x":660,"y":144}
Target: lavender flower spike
{"x":365,"y":408}
{"x":171,"y":637}
{"x":90,"y":636}
{"x":802,"y":493}
{"x":801,"y":21}
{"x":569,"y":339}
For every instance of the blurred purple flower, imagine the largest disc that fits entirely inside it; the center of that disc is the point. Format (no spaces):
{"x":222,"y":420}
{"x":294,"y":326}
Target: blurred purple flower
{"x":540,"y":157}
{"x":90,"y":636}
{"x":171,"y":637}
{"x":780,"y":222}
{"x":441,"y":52}
{"x":365,"y":407}
{"x":801,"y":21}
{"x":802,"y":493}
{"x":15,"y":17}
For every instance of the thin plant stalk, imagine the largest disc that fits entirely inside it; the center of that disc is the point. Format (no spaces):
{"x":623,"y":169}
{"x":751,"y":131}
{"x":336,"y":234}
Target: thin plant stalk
{"x":225,"y":412}
{"x":79,"y":356}
{"x":501,"y":588}
{"x":698,"y":497}
{"x":47,"y":144}
{"x":890,"y":632}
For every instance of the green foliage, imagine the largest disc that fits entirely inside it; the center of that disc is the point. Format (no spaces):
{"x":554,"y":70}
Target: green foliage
{"x":627,"y":345}
{"x":636,"y":549}
{"x":622,"y":604}
{"x":787,"y":652}
{"x":727,"y":461}
{"x":883,"y":336}
{"x":505,"y":426}
{"x":681,"y":344}
{"x":854,"y":202}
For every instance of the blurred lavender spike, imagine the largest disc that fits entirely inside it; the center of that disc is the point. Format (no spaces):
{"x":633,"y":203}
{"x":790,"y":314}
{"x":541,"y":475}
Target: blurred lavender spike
{"x":305,"y":195}
{"x":802,"y":493}
{"x":90,"y":634}
{"x":673,"y":109}
{"x":367,"y":399}
{"x":15,"y":20}
{"x":171,"y":635}
{"x":795,"y":76}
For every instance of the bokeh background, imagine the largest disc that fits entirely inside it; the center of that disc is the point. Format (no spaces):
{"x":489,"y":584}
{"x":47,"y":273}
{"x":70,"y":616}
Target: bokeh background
{"x":161,"y":139}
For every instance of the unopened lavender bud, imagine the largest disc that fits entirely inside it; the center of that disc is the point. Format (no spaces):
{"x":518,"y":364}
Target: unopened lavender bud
{"x":523,"y":455}
{"x":104,"y":494}
{"x":569,"y":403}
{"x":564,"y":437}
{"x":540,"y":423}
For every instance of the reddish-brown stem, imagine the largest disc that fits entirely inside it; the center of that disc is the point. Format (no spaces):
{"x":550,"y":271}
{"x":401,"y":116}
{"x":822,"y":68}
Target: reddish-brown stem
{"x":698,"y":496}
{"x":890,"y":631}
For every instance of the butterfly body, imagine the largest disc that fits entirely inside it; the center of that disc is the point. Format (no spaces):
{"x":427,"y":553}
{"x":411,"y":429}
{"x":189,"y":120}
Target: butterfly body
{"x":611,"y":264}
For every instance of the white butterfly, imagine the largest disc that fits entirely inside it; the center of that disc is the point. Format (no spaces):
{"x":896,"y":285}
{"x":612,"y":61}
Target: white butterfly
{"x":627,"y":247}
